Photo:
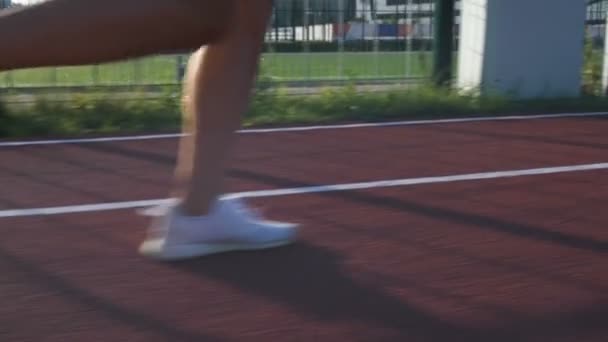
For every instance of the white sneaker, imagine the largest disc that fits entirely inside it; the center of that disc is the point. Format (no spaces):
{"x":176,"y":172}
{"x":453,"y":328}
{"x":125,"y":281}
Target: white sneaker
{"x":229,"y":226}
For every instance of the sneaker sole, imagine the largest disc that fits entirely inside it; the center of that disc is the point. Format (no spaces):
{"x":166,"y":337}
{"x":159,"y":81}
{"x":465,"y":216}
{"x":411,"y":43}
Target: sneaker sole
{"x":156,"y":249}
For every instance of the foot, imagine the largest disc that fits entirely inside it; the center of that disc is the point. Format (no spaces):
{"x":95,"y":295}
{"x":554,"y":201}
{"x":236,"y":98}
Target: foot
{"x":230,"y":226}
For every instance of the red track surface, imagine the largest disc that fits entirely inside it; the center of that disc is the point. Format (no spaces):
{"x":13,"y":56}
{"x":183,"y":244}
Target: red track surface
{"x":520,"y":259}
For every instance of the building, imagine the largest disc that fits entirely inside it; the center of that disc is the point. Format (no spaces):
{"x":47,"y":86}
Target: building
{"x":394,"y":10}
{"x":293,"y":13}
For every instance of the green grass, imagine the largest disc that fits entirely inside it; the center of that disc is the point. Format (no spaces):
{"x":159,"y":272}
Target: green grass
{"x":270,"y":107}
{"x":89,"y":114}
{"x":317,"y":65}
{"x":280,"y":66}
{"x":151,"y":70}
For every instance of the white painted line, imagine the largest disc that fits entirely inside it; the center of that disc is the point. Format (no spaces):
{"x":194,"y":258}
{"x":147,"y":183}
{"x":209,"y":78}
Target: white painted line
{"x":306,"y":128}
{"x":85,"y":208}
{"x":89,"y":140}
{"x":310,"y":190}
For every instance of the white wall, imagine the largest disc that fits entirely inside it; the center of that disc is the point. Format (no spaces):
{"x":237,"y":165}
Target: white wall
{"x":527,"y":48}
{"x":472,"y":44}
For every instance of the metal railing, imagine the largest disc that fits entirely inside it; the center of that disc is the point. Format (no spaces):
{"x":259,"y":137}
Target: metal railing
{"x":308,"y":41}
{"x":311,"y":41}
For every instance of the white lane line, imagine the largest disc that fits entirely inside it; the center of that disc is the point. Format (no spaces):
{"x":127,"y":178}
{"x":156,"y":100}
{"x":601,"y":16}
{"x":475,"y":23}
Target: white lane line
{"x":305,"y":128}
{"x":98,"y":207}
{"x":89,"y":140}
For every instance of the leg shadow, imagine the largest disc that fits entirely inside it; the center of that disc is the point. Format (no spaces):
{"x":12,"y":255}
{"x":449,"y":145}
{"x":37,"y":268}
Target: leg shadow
{"x":311,"y":281}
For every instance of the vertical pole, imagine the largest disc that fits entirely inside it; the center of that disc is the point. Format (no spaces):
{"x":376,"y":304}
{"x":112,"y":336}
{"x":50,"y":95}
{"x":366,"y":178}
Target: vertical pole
{"x":53,"y":77}
{"x":95,"y":74}
{"x":306,"y":37}
{"x":180,"y":70}
{"x":443,"y":39}
{"x":409,"y":21}
{"x":8,"y":76}
{"x":9,"y":80}
{"x":341,"y":9}
{"x":376,"y":43}
{"x":605,"y":63}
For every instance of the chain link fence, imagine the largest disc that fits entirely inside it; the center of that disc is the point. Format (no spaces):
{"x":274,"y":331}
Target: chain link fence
{"x":308,"y":42}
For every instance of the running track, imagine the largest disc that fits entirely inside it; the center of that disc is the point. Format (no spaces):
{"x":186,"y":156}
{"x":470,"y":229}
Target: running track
{"x":518,"y":255}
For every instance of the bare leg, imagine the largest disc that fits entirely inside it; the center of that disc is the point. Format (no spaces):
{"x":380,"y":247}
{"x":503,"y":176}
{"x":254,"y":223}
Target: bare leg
{"x":76,"y":32}
{"x":218,"y":86}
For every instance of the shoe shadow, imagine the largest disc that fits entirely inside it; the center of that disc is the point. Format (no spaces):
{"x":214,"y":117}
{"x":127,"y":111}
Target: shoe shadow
{"x":312,"y":281}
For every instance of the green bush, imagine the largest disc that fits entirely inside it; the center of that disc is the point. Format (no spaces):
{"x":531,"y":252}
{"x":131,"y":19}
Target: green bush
{"x":592,"y":69}
{"x":86,"y":115}
{"x":5,"y":120}
{"x":271,"y":107}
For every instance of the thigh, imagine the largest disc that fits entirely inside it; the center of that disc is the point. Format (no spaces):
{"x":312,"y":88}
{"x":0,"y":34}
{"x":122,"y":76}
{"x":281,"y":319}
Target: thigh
{"x":211,"y":16}
{"x":253,"y":16}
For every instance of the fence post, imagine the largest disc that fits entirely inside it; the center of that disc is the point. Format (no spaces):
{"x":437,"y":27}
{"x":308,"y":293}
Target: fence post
{"x":9,"y":81}
{"x":53,"y":77}
{"x":95,"y":74}
{"x":604,"y":80}
{"x":306,"y":37}
{"x":443,"y":41}
{"x":341,"y":10}
{"x":179,"y":68}
{"x":409,"y":51}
